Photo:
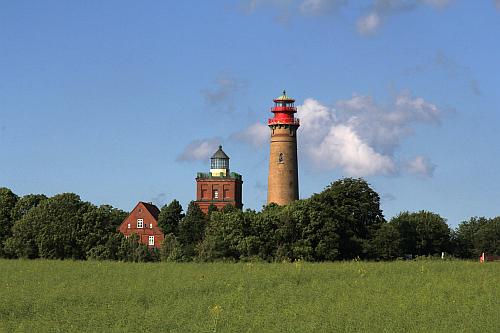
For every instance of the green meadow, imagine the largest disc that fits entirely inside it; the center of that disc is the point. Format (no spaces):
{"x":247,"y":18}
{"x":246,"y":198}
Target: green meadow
{"x":401,"y":296}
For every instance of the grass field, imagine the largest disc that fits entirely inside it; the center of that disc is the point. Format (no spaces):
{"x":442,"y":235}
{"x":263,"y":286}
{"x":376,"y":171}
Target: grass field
{"x":416,"y":296}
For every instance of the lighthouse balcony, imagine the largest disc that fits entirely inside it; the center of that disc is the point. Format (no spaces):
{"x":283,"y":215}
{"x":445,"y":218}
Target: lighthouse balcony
{"x":284,"y":109}
{"x":207,"y":175}
{"x":283,"y":121}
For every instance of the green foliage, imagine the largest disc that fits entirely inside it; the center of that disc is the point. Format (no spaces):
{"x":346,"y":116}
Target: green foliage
{"x":7,"y":203}
{"x":63,"y":227}
{"x":25,"y":203}
{"x":171,"y":249}
{"x":192,"y":229}
{"x":170,"y":217}
{"x":422,"y":233}
{"x":353,"y":296}
{"x":477,"y":235}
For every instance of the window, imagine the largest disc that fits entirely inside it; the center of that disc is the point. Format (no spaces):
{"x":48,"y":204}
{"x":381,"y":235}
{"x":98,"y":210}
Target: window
{"x":140,"y":223}
{"x":216,"y":194}
{"x":151,"y":226}
{"x":128,"y":226}
{"x":281,"y":158}
{"x":151,"y":240}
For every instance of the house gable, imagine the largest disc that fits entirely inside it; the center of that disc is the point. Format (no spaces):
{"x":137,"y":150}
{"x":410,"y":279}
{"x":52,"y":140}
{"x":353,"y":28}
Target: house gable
{"x":143,"y":221}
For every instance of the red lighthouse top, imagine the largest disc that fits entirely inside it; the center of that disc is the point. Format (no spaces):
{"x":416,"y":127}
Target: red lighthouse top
{"x":283,"y":111}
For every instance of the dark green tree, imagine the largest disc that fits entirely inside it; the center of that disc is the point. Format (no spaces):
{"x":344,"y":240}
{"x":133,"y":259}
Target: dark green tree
{"x":351,"y":209}
{"x":170,"y":217}
{"x":8,"y":201}
{"x":386,"y":242}
{"x":191,"y":229}
{"x":465,"y":237}
{"x":171,"y":249}
{"x":487,"y":238}
{"x":422,"y":233}
{"x":25,"y":203}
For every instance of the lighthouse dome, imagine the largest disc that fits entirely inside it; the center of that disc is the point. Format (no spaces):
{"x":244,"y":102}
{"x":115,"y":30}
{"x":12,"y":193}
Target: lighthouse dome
{"x":219,"y":163}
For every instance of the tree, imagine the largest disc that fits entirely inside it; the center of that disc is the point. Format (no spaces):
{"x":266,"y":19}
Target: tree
{"x":487,"y":238}
{"x":386,"y":242}
{"x":224,"y":234}
{"x":191,"y":229}
{"x":422,"y":233}
{"x":351,"y":209}
{"x":7,"y":203}
{"x":171,"y":249}
{"x":25,"y":203}
{"x":170,"y":216}
{"x":465,"y":237}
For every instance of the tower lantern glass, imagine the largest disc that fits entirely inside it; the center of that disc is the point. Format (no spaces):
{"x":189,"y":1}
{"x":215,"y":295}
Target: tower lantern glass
{"x":219,"y":163}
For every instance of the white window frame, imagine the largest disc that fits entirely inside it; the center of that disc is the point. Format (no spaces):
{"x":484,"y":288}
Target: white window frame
{"x":140,"y":223}
{"x":216,"y":194}
{"x":151,"y":226}
{"x":151,"y":240}
{"x":128,"y":226}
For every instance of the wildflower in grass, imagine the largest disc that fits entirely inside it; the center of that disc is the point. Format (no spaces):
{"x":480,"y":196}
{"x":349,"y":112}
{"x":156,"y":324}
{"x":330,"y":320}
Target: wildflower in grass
{"x":215,"y":312}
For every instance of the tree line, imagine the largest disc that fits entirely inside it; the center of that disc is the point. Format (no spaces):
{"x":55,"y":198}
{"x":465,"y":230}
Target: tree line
{"x":342,"y":222}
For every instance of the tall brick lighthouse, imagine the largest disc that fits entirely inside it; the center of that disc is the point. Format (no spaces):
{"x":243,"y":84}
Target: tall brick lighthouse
{"x":283,"y":180}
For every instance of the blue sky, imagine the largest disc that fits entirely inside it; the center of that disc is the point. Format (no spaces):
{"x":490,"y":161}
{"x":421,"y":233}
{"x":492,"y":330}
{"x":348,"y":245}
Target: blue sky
{"x":121,"y":101}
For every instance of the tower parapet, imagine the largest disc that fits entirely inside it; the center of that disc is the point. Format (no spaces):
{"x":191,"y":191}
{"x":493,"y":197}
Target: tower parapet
{"x":283,"y":182}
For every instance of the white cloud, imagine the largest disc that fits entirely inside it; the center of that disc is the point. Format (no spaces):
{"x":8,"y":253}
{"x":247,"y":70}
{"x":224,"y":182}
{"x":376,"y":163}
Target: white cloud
{"x":199,"y":150}
{"x":342,"y":147}
{"x":358,"y":135}
{"x":368,"y":24}
{"x":255,"y":135}
{"x":420,"y":166}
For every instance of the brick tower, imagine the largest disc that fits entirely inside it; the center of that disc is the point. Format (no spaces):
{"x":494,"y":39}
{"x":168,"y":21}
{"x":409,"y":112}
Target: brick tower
{"x":283,"y":181}
{"x":219,"y":187}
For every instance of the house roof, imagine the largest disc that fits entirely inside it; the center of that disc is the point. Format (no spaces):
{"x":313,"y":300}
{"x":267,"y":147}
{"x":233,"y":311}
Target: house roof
{"x":152,"y":209}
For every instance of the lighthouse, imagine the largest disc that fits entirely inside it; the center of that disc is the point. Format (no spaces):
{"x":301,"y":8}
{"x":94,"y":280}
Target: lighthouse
{"x":283,"y":179}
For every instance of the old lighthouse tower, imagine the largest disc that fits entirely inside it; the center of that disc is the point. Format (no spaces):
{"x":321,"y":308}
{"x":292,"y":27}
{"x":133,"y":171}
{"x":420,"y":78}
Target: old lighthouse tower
{"x":283,"y":179}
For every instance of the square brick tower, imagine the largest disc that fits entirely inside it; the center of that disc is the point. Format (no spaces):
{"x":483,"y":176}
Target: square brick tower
{"x":219,"y":187}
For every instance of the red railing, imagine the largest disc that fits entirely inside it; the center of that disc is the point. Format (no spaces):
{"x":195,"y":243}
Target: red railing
{"x":284,"y":109}
{"x":284,"y":121}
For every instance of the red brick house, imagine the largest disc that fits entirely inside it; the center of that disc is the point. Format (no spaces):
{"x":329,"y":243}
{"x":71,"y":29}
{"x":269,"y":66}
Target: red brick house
{"x":143,"y":221}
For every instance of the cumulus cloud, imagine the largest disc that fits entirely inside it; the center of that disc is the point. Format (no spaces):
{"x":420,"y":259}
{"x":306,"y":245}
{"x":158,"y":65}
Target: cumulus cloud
{"x":221,"y":97}
{"x":342,"y":147}
{"x":359,"y":135}
{"x":199,"y":150}
{"x":256,"y":135}
{"x":420,"y":166}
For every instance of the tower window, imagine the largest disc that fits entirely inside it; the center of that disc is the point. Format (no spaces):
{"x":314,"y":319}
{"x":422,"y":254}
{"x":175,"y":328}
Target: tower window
{"x":140,"y":223}
{"x":151,"y":240}
{"x":281,"y":158}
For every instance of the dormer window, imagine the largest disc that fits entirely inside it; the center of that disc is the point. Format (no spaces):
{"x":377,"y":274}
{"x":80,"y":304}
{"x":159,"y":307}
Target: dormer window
{"x":140,"y":223}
